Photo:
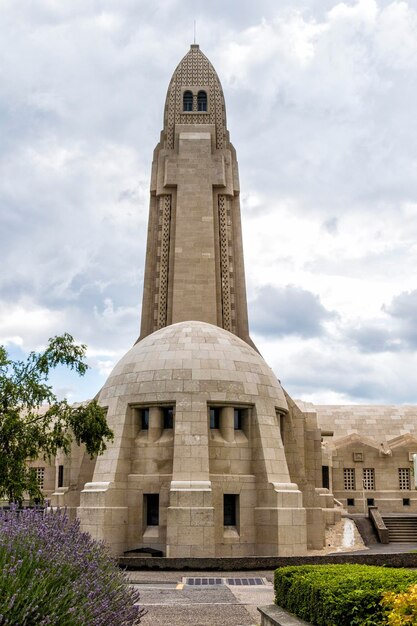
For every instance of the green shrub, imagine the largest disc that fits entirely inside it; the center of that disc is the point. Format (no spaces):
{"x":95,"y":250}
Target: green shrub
{"x":339,"y":595}
{"x":401,"y":607}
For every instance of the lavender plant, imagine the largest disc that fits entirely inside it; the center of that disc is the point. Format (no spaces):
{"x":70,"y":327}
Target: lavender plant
{"x":53,"y":574}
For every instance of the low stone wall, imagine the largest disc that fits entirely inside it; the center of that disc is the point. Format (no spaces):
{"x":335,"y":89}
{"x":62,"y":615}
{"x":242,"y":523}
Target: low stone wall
{"x":259,"y":563}
{"x":379,"y":524}
{"x":273,"y":615}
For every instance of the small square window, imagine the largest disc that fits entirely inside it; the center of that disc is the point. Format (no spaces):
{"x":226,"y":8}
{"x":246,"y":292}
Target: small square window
{"x":168,"y":416}
{"x":370,"y":502}
{"x":351,"y":501}
{"x":214,"y":417}
{"x":151,"y":502}
{"x":406,"y":501}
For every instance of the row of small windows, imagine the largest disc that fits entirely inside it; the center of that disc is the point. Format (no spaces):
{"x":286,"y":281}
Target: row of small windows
{"x":188,"y":100}
{"x":167,"y":417}
{"x":371,"y":501}
{"x":215,"y":417}
{"x":230,"y":509}
{"x":368,"y":478}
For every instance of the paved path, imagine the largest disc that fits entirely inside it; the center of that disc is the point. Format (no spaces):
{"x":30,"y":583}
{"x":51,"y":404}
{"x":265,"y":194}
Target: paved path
{"x":385,"y":548}
{"x":170,"y":602}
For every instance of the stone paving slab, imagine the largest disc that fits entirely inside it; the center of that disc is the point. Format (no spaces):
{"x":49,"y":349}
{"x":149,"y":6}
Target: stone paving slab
{"x":199,"y":615}
{"x":171,"y":603}
{"x":196,"y":595}
{"x":252,"y":597}
{"x":161,"y":576}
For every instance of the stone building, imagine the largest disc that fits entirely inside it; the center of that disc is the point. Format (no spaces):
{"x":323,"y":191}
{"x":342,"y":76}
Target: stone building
{"x":368,"y":459}
{"x":210,"y":456}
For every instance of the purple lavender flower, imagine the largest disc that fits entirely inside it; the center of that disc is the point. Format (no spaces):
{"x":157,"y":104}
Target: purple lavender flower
{"x":52,"y":573}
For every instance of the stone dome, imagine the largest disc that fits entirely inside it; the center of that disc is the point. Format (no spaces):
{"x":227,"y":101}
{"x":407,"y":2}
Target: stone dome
{"x":193,"y":357}
{"x":197,"y":466}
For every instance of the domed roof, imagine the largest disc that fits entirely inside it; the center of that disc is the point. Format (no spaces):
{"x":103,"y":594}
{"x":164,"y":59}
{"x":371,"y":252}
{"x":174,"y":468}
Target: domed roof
{"x":193,"y":357}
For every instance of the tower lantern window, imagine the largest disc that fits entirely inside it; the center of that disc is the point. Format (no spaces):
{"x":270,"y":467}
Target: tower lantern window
{"x":202,"y":101}
{"x":187,"y":101}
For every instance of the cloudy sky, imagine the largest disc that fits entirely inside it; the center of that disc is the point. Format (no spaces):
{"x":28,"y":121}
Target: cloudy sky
{"x":321,"y":105}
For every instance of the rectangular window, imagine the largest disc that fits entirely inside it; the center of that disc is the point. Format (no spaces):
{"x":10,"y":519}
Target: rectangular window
{"x":144,"y":418}
{"x":238,"y":419}
{"x":151,"y":502}
{"x":60,"y":475}
{"x":230,"y":509}
{"x":351,"y":501}
{"x":406,"y":501}
{"x":369,"y":479}
{"x":325,"y":478}
{"x":40,"y":476}
{"x":214,"y":417}
{"x":404,"y":478}
{"x":168,"y":412}
{"x":349,"y":478}
{"x":281,"y":423}
{"x":370,"y":502}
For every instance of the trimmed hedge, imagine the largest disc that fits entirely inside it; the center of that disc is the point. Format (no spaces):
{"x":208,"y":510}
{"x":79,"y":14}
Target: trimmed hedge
{"x":339,"y":595}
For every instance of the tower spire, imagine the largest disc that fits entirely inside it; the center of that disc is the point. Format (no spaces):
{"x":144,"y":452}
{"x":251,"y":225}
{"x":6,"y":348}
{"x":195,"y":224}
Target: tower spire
{"x":194,"y":260}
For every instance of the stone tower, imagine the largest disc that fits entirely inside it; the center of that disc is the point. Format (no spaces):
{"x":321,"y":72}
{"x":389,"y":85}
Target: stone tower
{"x":194,"y":258}
{"x":210,"y":456}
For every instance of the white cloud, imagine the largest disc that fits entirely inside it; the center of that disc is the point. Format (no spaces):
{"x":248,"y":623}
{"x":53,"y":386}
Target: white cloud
{"x":320,"y":102}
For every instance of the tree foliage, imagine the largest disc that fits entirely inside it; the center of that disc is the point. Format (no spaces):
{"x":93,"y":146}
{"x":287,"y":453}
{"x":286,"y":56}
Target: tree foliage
{"x":34,"y":423}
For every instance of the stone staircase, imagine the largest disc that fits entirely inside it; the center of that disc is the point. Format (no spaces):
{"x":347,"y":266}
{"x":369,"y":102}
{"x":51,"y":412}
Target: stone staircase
{"x":402,"y":528}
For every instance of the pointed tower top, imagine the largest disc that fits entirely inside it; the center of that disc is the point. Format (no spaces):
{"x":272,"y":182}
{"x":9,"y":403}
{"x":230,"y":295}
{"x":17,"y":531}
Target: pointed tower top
{"x":195,"y":75}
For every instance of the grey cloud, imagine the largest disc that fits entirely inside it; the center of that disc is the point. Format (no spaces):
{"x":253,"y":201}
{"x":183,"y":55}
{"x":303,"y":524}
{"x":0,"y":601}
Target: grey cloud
{"x":404,"y":306}
{"x":378,"y":264}
{"x":403,"y":310}
{"x":287,"y":310}
{"x":396,"y":333}
{"x":373,"y":339}
{"x":331,"y":225}
{"x":331,"y":368}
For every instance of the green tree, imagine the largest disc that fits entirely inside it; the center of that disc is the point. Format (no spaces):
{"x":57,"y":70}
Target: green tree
{"x":34,"y":423}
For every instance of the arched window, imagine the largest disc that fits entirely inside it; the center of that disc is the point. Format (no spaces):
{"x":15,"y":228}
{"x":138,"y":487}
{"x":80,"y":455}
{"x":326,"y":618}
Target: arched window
{"x":187,"y":101}
{"x":202,"y":101}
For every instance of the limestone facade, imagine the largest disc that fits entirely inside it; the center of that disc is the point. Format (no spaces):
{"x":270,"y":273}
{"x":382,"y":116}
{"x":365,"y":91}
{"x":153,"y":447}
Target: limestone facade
{"x":210,"y":457}
{"x":368,"y":451}
{"x":198,"y":466}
